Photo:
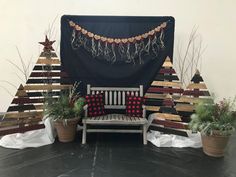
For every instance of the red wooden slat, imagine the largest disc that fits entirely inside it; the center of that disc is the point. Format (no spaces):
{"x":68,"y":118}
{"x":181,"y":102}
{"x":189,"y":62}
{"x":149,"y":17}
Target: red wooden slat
{"x":165,"y":90}
{"x":170,"y":124}
{"x":167,"y":71}
{"x":27,"y":100}
{"x":196,"y":93}
{"x":49,"y":74}
{"x":21,"y":129}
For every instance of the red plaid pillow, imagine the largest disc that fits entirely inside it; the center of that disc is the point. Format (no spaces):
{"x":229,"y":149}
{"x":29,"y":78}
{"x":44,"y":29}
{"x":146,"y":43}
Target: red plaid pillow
{"x":134,"y":106}
{"x":95,"y":105}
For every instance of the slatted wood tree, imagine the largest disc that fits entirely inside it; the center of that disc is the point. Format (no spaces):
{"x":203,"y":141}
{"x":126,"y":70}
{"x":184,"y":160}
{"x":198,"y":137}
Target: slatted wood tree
{"x":195,"y":92}
{"x":166,"y":82}
{"x":26,"y":109}
{"x":168,"y":119}
{"x":161,"y":98}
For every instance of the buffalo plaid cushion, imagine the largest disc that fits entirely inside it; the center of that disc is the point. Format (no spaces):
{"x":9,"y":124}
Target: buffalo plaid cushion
{"x":95,"y":105}
{"x":134,"y":106}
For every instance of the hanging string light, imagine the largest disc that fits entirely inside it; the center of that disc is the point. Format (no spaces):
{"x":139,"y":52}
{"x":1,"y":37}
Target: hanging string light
{"x":129,"y":49}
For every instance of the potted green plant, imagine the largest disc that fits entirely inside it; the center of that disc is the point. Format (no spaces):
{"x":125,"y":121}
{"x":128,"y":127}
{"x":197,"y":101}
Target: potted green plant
{"x":216,"y":122}
{"x":66,"y":112}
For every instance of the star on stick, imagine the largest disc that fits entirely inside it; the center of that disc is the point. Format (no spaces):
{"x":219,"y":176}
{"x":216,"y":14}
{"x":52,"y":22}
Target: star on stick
{"x":47,"y":45}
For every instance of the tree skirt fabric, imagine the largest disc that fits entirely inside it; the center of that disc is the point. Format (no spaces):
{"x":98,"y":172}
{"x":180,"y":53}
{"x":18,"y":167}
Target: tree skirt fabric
{"x":160,"y":139}
{"x":168,"y":140}
{"x":34,"y":138}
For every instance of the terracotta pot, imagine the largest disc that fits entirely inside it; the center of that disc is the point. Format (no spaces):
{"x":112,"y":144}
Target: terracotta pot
{"x":214,"y":145}
{"x":66,"y":132}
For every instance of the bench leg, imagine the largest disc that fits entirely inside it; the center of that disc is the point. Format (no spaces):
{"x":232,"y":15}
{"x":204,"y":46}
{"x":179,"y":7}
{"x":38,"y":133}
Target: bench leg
{"x":84,"y":133}
{"x":144,"y":134}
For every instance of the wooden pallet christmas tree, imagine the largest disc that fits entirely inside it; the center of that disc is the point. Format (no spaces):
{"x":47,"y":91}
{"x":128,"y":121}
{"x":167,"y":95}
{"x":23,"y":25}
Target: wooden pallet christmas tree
{"x":194,"y":93}
{"x":166,"y":82}
{"x":26,"y":109}
{"x":161,"y":97}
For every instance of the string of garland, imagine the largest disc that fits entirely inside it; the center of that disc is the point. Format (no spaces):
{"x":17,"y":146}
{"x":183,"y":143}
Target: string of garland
{"x":130,"y":50}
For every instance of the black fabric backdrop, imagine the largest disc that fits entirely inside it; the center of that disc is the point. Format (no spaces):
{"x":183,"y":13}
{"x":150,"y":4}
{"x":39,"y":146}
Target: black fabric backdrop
{"x":81,"y":66}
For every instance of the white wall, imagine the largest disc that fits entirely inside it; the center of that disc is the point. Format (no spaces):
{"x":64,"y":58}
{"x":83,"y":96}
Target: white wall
{"x":24,"y":22}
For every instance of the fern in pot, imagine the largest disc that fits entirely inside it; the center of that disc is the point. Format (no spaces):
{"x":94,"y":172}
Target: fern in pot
{"x":216,"y":122}
{"x":66,"y":112}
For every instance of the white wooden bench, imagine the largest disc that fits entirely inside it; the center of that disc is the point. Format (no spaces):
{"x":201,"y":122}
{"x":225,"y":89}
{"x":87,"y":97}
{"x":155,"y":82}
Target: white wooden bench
{"x":115,"y":99}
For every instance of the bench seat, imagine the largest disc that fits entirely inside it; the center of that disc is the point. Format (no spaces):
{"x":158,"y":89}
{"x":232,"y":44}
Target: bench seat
{"x":113,"y":119}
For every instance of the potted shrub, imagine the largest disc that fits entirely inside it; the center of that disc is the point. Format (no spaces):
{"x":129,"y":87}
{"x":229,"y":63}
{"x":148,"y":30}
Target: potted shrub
{"x":66,"y":112}
{"x":216,"y":122}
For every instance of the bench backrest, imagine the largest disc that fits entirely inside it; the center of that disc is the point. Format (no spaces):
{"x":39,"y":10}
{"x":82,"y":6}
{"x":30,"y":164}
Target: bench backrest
{"x":115,"y":96}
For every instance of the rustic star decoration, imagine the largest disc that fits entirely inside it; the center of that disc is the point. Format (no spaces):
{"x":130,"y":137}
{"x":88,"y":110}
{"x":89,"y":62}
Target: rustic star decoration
{"x":47,"y":45}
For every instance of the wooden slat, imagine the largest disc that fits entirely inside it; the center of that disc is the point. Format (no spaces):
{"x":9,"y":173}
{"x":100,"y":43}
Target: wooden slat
{"x":115,"y":119}
{"x":47,"y":81}
{"x":180,"y":132}
{"x":39,"y":107}
{"x":123,"y":97}
{"x":48,"y":74}
{"x":155,"y":96}
{"x":106,"y":97}
{"x":166,"y":84}
{"x":20,"y":108}
{"x":153,"y":102}
{"x":167,"y":71}
{"x":51,"y":54}
{"x":187,"y":99}
{"x":24,"y":114}
{"x":167,"y":116}
{"x":169,"y":110}
{"x":21,"y":93}
{"x":115,"y":98}
{"x":119,"y":98}
{"x":171,"y":124}
{"x":185,"y":107}
{"x":21,"y":129}
{"x":126,"y":89}
{"x":48,"y":61}
{"x":161,"y":77}
{"x":16,"y":122}
{"x":167,"y":63}
{"x":29,"y":100}
{"x":46,"y":68}
{"x":21,"y":100}
{"x":152,"y":108}
{"x":110,"y":98}
{"x":40,"y":94}
{"x":47,"y":87}
{"x":197,"y":86}
{"x":165,"y":90}
{"x":196,"y":93}
{"x":185,"y":116}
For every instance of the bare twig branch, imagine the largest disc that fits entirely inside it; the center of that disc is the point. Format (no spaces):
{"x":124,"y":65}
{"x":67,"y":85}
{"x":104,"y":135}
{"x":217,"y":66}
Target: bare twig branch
{"x":16,"y":66}
{"x":20,"y":78}
{"x":188,"y":61}
{"x":9,"y":83}
{"x":7,"y":90}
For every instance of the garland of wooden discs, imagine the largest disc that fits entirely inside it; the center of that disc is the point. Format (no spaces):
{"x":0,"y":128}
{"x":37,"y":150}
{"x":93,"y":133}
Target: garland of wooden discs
{"x":129,"y":50}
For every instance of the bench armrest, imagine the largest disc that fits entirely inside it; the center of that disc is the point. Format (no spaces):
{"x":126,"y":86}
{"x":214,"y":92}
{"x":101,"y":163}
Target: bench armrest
{"x":144,"y":111}
{"x":85,"y":110}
